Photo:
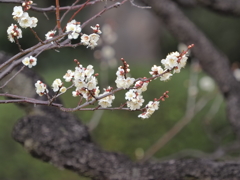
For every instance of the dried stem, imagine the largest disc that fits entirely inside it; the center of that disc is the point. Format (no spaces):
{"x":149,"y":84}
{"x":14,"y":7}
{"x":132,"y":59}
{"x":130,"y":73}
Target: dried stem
{"x":18,"y":44}
{"x":35,"y":34}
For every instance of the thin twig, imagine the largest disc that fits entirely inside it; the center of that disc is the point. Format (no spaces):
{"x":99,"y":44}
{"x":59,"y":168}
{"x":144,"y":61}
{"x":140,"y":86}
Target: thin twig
{"x":78,"y":10}
{"x":141,"y":7}
{"x":163,"y":140}
{"x":18,"y":44}
{"x":17,"y":56}
{"x":12,"y":77}
{"x":69,"y":10}
{"x":102,"y":11}
{"x":35,"y":34}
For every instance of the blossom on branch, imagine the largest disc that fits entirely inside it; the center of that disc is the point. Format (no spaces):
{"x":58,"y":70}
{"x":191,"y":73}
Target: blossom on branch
{"x":17,"y":12}
{"x":74,"y":28}
{"x":30,"y":61}
{"x":68,"y":76}
{"x":84,"y":80}
{"x":23,"y":18}
{"x":41,"y":88}
{"x":150,"y":108}
{"x":56,"y":85}
{"x":14,"y":32}
{"x":135,"y":102}
{"x":96,"y":29}
{"x":90,"y":40}
{"x":122,"y":81}
{"x":106,"y":101}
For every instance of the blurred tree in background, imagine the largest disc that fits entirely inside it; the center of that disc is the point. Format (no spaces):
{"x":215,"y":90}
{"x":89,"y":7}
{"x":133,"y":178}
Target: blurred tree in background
{"x":192,"y":123}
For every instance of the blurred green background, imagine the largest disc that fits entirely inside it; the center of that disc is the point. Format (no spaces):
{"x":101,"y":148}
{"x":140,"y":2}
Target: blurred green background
{"x":123,"y":131}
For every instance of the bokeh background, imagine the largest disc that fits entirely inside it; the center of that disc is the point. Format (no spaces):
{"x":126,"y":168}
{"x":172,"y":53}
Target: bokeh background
{"x":137,"y":36}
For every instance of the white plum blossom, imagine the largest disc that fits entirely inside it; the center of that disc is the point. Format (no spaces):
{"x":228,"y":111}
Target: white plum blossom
{"x":141,"y":86}
{"x":14,"y":32}
{"x":74,"y":28}
{"x":75,"y":94}
{"x":131,"y":94}
{"x":85,"y":39}
{"x":25,"y":21}
{"x":92,"y":83}
{"x":124,"y":83}
{"x":181,"y":64}
{"x":56,"y":85}
{"x":96,"y":29}
{"x":63,"y":89}
{"x":84,"y":80}
{"x":41,"y":88}
{"x":150,"y":108}
{"x":17,"y":12}
{"x":92,"y":44}
{"x":106,"y":101}
{"x":34,"y":22}
{"x":78,"y":83}
{"x":94,"y":37}
{"x":30,"y":61}
{"x":121,"y":81}
{"x":90,"y":40}
{"x":136,"y":102}
{"x":23,"y":18}
{"x":171,"y":60}
{"x":89,"y":71}
{"x":157,"y":70}
{"x":68,"y":76}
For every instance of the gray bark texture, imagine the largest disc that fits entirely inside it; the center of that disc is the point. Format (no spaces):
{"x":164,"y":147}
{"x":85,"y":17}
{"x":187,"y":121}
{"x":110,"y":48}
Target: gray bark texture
{"x":61,"y":139}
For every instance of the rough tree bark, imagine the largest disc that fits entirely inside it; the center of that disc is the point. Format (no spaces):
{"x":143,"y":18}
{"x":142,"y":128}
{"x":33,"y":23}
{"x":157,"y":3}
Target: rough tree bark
{"x":60,"y":138}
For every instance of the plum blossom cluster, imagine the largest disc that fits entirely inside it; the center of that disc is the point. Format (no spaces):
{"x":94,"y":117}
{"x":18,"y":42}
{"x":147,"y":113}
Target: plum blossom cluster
{"x":106,"y":101}
{"x":23,"y":18}
{"x":74,"y":28}
{"x":41,"y":88}
{"x":122,"y":81}
{"x":57,"y":86}
{"x":134,"y":96}
{"x":14,"y":32}
{"x":174,"y":62}
{"x":150,"y":108}
{"x":50,"y":34}
{"x":84,"y":80}
{"x":86,"y":85}
{"x":30,"y":61}
{"x":92,"y":39}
